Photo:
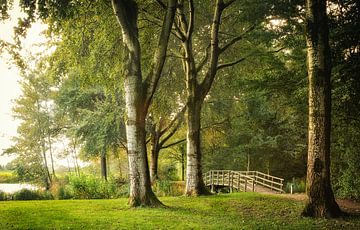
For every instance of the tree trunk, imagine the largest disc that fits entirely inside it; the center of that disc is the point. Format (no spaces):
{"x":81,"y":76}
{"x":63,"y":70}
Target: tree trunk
{"x":248,"y":162}
{"x":155,"y":150}
{"x":103,"y":167}
{"x":51,"y":155}
{"x":321,"y":201}
{"x":194,"y":181}
{"x":141,"y":193}
{"x":48,"y":181}
{"x":138,"y":95}
{"x":182,"y":165}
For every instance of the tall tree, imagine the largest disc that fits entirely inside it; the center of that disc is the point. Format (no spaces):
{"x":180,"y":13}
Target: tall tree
{"x":139,"y":93}
{"x":321,"y":201}
{"x":200,"y":75}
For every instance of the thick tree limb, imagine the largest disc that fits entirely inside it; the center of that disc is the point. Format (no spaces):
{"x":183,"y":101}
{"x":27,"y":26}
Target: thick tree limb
{"x":214,"y":52}
{"x":126,"y":13}
{"x":151,"y":81}
{"x":191,"y":19}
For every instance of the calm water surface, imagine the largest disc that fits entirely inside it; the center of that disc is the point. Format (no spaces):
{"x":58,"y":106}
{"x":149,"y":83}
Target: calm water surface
{"x":11,"y":188}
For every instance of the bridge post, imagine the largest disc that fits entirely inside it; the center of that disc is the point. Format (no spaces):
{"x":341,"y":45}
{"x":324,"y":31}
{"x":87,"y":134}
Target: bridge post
{"x":245,"y":184}
{"x":231,"y":181}
{"x":253,"y":186}
{"x":238,"y":182}
{"x":212,"y":181}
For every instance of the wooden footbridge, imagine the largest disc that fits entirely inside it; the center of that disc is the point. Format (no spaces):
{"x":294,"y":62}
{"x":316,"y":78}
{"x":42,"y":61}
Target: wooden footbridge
{"x":243,"y":181}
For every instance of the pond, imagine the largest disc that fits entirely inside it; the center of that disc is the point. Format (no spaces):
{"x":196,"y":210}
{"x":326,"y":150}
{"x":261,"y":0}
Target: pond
{"x":11,"y":188}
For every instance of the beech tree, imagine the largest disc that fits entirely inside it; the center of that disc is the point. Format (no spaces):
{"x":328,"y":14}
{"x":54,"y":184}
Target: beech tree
{"x":200,"y":75}
{"x":321,"y":201}
{"x":139,"y":92}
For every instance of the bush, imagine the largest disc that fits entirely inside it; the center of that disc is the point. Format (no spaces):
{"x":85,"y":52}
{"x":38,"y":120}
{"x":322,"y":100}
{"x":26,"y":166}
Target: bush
{"x":298,"y":186}
{"x":168,"y":188}
{"x":26,"y":194}
{"x":3,"y":196}
{"x":168,"y":172}
{"x":64,"y":192}
{"x":91,"y":187}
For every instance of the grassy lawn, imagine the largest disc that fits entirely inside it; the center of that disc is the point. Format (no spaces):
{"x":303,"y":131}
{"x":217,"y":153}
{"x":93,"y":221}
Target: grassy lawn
{"x":231,"y":211}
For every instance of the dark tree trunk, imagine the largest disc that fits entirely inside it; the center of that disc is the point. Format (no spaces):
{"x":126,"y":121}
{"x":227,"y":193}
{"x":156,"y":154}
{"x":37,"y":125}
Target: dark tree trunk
{"x":182,"y":164}
{"x":103,"y":163}
{"x":321,"y":201}
{"x":155,"y":150}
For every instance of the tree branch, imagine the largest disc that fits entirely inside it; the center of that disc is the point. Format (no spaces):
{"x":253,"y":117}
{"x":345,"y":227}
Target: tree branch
{"x":229,"y":64}
{"x":229,"y":3}
{"x":172,"y":144}
{"x":176,"y":118}
{"x":235,"y":39}
{"x":151,"y":81}
{"x":204,"y":60}
{"x":214,"y":53}
{"x":191,"y":19}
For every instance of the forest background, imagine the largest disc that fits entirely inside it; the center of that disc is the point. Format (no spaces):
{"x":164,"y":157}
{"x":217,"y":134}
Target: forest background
{"x":253,"y":118}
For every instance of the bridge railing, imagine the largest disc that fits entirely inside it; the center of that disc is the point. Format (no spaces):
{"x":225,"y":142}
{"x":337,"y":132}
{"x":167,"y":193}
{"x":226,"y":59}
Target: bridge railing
{"x":242,"y":180}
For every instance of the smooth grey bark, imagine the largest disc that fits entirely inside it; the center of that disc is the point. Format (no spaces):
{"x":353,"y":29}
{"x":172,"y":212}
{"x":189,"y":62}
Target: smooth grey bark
{"x":139,"y":94}
{"x":321,"y":201}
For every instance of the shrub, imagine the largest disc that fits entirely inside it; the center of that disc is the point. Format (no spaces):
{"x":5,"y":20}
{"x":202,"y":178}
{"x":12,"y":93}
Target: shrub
{"x":168,"y":188}
{"x":26,"y":194}
{"x":91,"y":187}
{"x":3,"y":196}
{"x":65,"y":192}
{"x":297,"y":184}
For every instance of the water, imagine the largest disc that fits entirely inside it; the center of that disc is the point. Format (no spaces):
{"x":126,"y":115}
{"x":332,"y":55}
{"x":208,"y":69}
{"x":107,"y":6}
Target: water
{"x":11,"y":188}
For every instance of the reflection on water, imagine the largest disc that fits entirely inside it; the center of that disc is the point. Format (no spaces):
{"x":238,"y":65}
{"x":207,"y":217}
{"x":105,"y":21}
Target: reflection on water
{"x":11,"y":188}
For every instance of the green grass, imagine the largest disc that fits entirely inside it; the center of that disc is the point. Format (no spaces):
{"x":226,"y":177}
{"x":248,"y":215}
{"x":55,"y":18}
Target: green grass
{"x":233,"y":211}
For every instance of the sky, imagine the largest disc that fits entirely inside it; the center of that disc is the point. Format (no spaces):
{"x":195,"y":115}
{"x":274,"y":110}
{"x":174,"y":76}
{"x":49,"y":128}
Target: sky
{"x":9,"y":77}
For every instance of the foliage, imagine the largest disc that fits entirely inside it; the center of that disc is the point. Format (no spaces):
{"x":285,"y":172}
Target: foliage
{"x":3,"y":196}
{"x":8,"y":177}
{"x":27,"y":194}
{"x":90,"y":187}
{"x":168,"y":188}
{"x":232,"y":211}
{"x":298,"y":186}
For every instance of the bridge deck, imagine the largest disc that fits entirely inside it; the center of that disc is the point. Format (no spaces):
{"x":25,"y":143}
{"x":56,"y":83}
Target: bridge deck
{"x":243,"y":181}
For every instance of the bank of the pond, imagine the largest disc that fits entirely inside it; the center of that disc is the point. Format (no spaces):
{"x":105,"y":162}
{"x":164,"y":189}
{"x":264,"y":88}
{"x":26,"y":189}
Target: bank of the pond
{"x":230,"y":211}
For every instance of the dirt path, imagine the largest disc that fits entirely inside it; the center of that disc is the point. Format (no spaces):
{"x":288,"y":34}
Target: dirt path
{"x":346,"y":205}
